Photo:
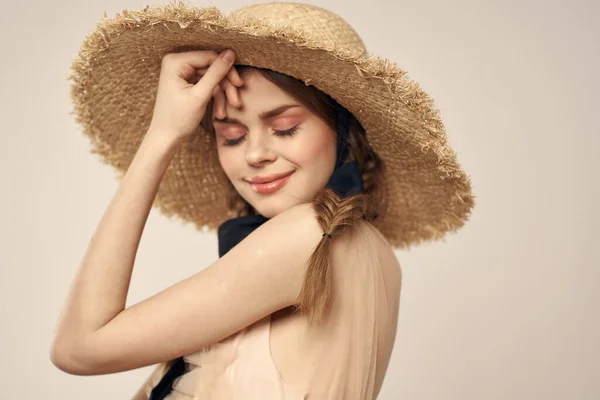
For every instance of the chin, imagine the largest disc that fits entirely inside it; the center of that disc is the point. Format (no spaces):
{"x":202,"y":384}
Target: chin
{"x":271,"y":207}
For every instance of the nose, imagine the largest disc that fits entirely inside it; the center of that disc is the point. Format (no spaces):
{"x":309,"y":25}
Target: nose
{"x":259,"y":149}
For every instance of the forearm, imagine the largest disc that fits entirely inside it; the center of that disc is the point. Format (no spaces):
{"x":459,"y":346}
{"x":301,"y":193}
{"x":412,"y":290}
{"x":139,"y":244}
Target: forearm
{"x":99,"y":289}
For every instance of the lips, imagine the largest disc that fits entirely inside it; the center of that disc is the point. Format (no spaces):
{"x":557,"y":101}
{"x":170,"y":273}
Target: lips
{"x":269,"y":178}
{"x":272,"y":185}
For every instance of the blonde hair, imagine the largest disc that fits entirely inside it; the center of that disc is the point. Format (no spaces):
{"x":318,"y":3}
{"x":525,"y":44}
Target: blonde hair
{"x":334,"y":214}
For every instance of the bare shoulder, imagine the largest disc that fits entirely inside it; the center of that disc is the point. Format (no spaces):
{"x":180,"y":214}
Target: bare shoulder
{"x":300,"y":218}
{"x":301,"y":223}
{"x":277,"y":251}
{"x":295,"y":231}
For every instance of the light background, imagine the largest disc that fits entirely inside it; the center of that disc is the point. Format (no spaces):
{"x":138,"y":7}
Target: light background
{"x":507,"y":308}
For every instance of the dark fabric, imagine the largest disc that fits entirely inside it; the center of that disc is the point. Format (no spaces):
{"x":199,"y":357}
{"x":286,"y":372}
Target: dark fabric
{"x":346,"y":180}
{"x":164,"y":387}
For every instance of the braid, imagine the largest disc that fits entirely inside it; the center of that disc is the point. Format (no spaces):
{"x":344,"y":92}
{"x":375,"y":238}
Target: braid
{"x":335,"y":215}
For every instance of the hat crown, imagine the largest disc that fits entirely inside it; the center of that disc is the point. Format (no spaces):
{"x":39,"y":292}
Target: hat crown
{"x":315,"y":22}
{"x":423,"y":191}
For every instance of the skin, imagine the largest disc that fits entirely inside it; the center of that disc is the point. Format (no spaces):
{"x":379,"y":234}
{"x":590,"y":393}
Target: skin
{"x":259,"y":151}
{"x":96,"y":333}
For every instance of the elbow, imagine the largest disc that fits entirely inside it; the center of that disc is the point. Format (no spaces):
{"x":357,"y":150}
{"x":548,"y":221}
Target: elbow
{"x":60,"y":360}
{"x":67,"y":355}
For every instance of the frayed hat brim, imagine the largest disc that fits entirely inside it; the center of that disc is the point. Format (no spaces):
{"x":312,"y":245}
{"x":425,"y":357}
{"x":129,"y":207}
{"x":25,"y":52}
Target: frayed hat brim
{"x":115,"y":76}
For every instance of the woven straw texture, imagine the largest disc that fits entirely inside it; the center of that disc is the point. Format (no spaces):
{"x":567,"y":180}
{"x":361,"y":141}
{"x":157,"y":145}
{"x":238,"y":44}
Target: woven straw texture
{"x":115,"y":76}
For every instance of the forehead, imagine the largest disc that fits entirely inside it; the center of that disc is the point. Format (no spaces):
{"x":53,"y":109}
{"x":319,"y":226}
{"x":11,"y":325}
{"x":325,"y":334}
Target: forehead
{"x":259,"y":94}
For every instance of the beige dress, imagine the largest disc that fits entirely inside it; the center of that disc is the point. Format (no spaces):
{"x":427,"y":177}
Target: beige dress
{"x":280,"y":358}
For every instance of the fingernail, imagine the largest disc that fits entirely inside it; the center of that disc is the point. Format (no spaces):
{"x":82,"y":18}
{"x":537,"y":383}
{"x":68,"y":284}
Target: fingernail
{"x":228,"y":56}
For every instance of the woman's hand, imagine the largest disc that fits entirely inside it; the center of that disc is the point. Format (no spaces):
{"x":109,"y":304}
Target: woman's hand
{"x":186,"y":84}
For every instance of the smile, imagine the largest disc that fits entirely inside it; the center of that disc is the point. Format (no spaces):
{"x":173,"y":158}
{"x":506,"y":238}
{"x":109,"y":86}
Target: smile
{"x":270,"y":187}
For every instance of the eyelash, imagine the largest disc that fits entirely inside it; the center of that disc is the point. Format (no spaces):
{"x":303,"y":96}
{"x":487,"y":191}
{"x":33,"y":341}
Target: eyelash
{"x":287,"y":132}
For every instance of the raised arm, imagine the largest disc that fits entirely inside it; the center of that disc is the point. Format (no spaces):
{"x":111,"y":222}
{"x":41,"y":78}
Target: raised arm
{"x":99,"y":289}
{"x":260,"y":275}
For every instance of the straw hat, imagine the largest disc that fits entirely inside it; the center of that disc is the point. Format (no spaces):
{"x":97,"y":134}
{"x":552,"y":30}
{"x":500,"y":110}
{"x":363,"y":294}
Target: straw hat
{"x":115,"y":77}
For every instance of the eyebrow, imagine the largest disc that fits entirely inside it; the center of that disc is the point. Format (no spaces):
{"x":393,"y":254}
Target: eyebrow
{"x":263,"y":116}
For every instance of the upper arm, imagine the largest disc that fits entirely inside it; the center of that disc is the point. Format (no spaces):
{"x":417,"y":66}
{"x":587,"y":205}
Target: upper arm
{"x":259,"y":276}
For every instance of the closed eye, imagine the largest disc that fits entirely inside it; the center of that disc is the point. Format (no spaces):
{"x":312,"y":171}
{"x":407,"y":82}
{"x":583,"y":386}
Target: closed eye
{"x":287,"y":132}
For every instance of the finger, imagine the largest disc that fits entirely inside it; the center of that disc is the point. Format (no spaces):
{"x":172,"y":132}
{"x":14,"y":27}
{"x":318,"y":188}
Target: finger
{"x":193,"y":58}
{"x":184,"y":64}
{"x":223,"y":104}
{"x":219,"y":104}
{"x":232,"y":93}
{"x":195,"y":79}
{"x":234,"y":77}
{"x":215,"y":74}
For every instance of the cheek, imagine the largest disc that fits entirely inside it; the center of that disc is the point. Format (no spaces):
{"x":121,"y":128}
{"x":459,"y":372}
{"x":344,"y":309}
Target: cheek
{"x":230,"y":162}
{"x":316,"y":147}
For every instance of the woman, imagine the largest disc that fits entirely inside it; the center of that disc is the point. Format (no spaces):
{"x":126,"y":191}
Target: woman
{"x":303,"y":301}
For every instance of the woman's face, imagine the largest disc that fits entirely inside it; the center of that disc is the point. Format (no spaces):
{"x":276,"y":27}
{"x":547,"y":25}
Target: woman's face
{"x":273,"y":133}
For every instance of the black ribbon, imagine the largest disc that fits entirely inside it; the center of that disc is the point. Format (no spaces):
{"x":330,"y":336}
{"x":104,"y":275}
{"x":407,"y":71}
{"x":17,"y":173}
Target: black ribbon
{"x":346,"y":180}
